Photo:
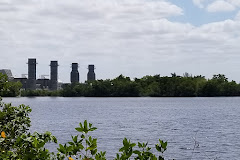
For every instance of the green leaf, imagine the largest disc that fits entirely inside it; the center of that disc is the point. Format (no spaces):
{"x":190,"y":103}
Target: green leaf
{"x":139,"y":145}
{"x":92,"y":129}
{"x":79,"y":129}
{"x":94,"y":141}
{"x":61,"y":149}
{"x":121,"y":149}
{"x":93,"y":152}
{"x":54,"y":139}
{"x":103,"y":153}
{"x":164,"y":145}
{"x":41,"y":144}
{"x":92,"y":147}
{"x":85,"y":126}
{"x":71,"y":143}
{"x":82,"y":136}
{"x":137,"y":152}
{"x":69,"y":149}
{"x":132,"y":144}
{"x":80,"y":124}
{"x":125,"y":142}
{"x":80,"y":146}
{"x":74,"y":139}
{"x":158,"y":148}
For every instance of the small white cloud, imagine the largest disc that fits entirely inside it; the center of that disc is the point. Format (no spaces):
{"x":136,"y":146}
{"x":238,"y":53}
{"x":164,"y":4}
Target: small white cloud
{"x":220,"y":6}
{"x":234,"y":2}
{"x":217,"y":5}
{"x":199,"y":3}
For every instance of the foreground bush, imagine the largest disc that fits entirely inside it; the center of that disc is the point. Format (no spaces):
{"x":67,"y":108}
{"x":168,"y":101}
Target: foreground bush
{"x":18,"y":144}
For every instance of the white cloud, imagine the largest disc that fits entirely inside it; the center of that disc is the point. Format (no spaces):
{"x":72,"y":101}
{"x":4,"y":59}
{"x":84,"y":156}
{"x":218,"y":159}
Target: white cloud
{"x":87,"y":31}
{"x":220,"y":6}
{"x":134,"y":38}
{"x":217,"y":5}
{"x":237,"y":17}
{"x":199,"y":3}
{"x":234,"y":2}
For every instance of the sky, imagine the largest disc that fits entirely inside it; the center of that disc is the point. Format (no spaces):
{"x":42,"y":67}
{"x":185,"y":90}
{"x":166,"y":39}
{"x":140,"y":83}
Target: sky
{"x":130,"y":37}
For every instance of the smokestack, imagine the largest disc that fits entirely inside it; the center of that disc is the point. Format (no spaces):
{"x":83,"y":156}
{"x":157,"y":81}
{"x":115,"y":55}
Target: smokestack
{"x":74,"y":73}
{"x":54,"y":75}
{"x":91,"y":74}
{"x":31,"y":83}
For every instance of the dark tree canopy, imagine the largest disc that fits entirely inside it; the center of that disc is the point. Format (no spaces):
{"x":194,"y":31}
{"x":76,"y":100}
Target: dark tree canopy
{"x":147,"y":86}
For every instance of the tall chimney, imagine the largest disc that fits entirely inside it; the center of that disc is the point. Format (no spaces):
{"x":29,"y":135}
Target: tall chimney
{"x":31,"y":83}
{"x":91,"y":74}
{"x":54,"y":75}
{"x":74,"y":73}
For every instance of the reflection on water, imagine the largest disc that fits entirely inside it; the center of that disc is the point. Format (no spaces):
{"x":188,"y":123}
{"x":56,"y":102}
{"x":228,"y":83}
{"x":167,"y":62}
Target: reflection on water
{"x":195,"y":128}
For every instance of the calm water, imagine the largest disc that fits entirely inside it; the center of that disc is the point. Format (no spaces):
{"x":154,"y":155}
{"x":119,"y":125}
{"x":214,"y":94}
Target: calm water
{"x":212,"y":123}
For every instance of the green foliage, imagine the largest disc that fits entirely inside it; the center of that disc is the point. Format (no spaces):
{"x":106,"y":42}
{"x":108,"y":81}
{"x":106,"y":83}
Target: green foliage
{"x":14,"y":121}
{"x":7,"y":88}
{"x":118,"y":87}
{"x":39,"y":93}
{"x":219,"y":86}
{"x":147,"y":86}
{"x":82,"y":146}
{"x":29,"y":146}
{"x":3,"y":82}
{"x":16,"y":142}
{"x":126,"y":150}
{"x":155,"y":86}
{"x":142,"y":153}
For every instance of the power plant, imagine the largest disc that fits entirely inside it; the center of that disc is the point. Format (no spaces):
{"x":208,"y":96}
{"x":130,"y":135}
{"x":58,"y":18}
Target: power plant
{"x":31,"y":83}
{"x":74,"y":73}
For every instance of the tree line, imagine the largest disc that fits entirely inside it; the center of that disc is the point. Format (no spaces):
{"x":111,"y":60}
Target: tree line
{"x":122,"y":86}
{"x":148,"y":86}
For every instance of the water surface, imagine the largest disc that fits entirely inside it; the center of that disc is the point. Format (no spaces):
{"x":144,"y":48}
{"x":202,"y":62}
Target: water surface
{"x":210,"y":123}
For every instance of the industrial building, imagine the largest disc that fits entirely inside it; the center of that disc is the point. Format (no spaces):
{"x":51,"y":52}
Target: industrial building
{"x":23,"y":81}
{"x":43,"y":83}
{"x":74,"y":73}
{"x":91,"y":74}
{"x":32,"y":83}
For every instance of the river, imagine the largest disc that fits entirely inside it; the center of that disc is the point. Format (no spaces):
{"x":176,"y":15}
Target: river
{"x":195,"y":128}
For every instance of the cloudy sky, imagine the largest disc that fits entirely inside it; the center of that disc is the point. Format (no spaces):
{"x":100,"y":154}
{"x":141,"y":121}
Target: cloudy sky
{"x":130,"y":37}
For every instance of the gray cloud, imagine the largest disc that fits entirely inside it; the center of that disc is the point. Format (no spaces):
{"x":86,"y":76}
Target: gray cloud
{"x":134,"y":38}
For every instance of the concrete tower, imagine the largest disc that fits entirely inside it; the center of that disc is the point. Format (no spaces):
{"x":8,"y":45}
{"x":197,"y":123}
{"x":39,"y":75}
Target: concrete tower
{"x":31,"y":82}
{"x":54,"y":75}
{"x":74,"y":73}
{"x":91,"y":74}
